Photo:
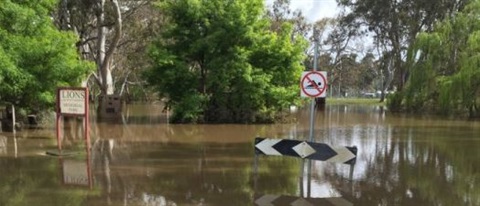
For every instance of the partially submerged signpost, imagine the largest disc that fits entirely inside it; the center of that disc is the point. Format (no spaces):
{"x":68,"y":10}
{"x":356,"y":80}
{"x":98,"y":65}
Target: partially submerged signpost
{"x":71,"y":102}
{"x":313,"y":84}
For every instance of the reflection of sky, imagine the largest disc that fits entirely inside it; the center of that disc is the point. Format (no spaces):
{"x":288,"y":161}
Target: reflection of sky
{"x":320,"y":188}
{"x":376,"y":134}
{"x":344,"y":126}
{"x":313,"y":10}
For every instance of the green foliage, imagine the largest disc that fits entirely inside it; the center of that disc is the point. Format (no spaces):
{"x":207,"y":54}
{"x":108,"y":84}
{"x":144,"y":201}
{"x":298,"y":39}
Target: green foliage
{"x":217,"y":61}
{"x":445,"y":76}
{"x":394,"y":26}
{"x":35,"y":57}
{"x":394,"y":101}
{"x":188,"y":109}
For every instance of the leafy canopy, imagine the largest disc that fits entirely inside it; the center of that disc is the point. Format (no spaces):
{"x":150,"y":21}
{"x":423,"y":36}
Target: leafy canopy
{"x":217,"y":61}
{"x":35,"y":57}
{"x":445,"y":74}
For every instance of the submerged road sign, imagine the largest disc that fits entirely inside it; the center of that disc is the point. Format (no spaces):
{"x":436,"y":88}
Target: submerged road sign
{"x":304,"y":149}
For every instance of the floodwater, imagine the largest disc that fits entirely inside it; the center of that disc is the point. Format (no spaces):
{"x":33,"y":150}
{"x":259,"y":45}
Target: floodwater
{"x":141,"y":160}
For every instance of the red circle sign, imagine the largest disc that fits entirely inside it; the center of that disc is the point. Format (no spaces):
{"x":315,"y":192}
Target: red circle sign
{"x":313,"y":84}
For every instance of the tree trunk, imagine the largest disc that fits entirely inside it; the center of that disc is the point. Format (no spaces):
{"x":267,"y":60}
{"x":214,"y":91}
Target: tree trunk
{"x":104,"y":59}
{"x":388,"y":79}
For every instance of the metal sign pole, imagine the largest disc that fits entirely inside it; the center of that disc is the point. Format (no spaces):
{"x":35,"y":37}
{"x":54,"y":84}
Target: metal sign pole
{"x":312,"y":119}
{"x":312,"y":104}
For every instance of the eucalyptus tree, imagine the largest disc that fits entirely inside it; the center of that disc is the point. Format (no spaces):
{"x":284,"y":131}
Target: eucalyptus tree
{"x":338,"y":45}
{"x":95,"y":22}
{"x":110,"y":34}
{"x":35,"y":57}
{"x":218,"y":61}
{"x":142,"y":23}
{"x":395,"y":25}
{"x":367,"y":73}
{"x":280,"y":12}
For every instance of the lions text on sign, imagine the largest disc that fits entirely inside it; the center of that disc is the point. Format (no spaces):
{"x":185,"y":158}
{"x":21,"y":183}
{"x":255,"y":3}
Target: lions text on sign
{"x":72,"y":101}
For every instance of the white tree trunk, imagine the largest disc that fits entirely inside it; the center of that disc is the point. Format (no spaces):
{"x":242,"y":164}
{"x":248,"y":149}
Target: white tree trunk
{"x":101,"y":38}
{"x":104,"y":57}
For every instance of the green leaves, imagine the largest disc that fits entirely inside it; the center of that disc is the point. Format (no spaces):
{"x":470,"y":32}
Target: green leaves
{"x":217,"y":61}
{"x":35,"y":57}
{"x":445,"y":75}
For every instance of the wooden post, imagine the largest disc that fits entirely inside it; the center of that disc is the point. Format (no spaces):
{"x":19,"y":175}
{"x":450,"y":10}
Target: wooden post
{"x":57,"y":123}
{"x":87,"y":122}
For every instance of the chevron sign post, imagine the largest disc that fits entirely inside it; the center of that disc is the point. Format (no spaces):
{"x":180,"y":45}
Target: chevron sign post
{"x":304,"y":149}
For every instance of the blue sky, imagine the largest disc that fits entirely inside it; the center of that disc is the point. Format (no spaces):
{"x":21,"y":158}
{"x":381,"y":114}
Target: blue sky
{"x":313,"y":9}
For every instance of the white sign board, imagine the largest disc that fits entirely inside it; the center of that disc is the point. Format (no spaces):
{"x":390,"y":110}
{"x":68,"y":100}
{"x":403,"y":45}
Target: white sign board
{"x":72,"y":101}
{"x":313,"y":84}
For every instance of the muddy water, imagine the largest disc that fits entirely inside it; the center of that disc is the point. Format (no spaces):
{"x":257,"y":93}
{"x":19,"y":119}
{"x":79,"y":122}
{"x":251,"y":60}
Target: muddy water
{"x":141,"y":160}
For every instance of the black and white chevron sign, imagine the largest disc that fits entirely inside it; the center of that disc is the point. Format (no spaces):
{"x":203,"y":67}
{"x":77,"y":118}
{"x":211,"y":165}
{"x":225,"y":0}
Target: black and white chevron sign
{"x":304,"y":149}
{"x":272,"y":200}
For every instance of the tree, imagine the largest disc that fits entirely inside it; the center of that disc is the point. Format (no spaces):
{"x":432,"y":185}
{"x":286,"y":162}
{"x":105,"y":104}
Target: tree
{"x":115,"y":35}
{"x":104,"y":55}
{"x":367,"y":69}
{"x":395,"y":25}
{"x":217,"y":61}
{"x":99,"y":25}
{"x":445,"y":76}
{"x":281,"y":13}
{"x":338,"y":45}
{"x":35,"y":58}
{"x":141,"y":25}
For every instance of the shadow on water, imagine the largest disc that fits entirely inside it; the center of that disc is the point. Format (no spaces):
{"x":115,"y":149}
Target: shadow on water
{"x":142,"y":160}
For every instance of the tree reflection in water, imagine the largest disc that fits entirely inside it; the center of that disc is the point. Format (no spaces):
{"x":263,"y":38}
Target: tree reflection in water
{"x":145,"y":167}
{"x":3,"y":145}
{"x":415,"y":167}
{"x":141,"y":161}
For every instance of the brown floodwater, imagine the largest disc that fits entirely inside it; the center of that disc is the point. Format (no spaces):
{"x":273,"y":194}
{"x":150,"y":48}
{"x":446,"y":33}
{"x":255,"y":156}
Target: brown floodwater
{"x":142,"y":160}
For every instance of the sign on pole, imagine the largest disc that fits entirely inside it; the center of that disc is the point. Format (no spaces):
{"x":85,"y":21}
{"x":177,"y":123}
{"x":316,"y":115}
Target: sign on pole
{"x":313,"y":84}
{"x":73,"y":101}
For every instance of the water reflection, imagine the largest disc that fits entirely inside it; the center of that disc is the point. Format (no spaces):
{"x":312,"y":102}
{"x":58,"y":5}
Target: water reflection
{"x":141,"y":160}
{"x":76,"y":172}
{"x":412,"y":161}
{"x":3,"y":145}
{"x":330,"y":196}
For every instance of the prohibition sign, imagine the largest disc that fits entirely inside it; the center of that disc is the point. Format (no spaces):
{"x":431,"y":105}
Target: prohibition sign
{"x":313,"y":84}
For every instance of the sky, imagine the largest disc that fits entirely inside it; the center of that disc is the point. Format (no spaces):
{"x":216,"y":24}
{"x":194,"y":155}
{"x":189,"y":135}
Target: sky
{"x":313,"y":9}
